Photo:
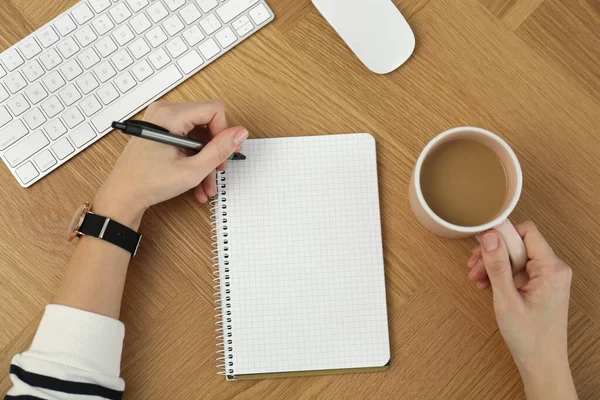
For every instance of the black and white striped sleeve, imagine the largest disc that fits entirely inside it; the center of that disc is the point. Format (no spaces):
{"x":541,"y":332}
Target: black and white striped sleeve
{"x":75,"y":355}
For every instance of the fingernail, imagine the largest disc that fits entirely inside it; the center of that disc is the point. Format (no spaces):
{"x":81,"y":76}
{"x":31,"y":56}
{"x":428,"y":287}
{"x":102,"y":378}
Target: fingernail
{"x":240,"y":136}
{"x":480,"y":285}
{"x":490,"y":241}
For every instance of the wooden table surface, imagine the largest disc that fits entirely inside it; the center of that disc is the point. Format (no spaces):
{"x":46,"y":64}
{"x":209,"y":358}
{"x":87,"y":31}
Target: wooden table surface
{"x":527,"y":70}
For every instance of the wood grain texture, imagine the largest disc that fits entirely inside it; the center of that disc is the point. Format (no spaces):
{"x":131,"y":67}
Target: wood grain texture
{"x":525,"y":69}
{"x":512,"y":12}
{"x":568,"y":35}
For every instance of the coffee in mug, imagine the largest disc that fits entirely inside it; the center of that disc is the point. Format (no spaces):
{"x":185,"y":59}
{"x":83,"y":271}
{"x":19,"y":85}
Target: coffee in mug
{"x":466,"y":181}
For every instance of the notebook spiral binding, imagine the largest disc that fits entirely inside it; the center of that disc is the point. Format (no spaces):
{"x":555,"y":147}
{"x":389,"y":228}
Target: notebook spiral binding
{"x":222,"y":289}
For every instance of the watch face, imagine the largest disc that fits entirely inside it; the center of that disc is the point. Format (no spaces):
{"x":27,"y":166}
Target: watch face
{"x":77,"y":220}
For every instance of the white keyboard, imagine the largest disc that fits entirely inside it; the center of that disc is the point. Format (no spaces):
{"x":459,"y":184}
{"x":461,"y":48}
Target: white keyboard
{"x":102,"y":61}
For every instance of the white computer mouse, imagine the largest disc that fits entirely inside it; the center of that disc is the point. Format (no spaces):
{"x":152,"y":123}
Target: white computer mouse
{"x":375,"y":31}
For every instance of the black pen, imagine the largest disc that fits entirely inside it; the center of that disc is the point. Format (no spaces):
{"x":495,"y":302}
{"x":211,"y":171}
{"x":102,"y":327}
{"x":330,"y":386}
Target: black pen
{"x":146,"y":130}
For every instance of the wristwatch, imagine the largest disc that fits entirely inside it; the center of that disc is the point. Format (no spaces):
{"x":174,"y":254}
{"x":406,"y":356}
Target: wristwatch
{"x":86,"y":223}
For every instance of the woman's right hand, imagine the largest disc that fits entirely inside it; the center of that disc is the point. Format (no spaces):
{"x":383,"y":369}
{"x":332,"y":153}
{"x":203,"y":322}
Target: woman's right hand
{"x":148,"y":173}
{"x":531,"y":310}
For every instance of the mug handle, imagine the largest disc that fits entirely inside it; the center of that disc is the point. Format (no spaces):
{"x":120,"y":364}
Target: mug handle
{"x":514,"y":244}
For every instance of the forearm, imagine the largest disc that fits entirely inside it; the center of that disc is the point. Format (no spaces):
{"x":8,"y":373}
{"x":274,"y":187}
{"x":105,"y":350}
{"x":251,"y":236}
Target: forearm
{"x":95,"y":277}
{"x":552,"y":380}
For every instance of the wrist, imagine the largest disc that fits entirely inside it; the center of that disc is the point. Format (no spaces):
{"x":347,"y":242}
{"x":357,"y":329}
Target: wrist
{"x":119,"y":207}
{"x":550,"y":377}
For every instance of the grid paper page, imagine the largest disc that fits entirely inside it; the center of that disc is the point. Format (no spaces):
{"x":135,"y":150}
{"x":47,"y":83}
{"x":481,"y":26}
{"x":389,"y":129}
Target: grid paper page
{"x":306,"y":280}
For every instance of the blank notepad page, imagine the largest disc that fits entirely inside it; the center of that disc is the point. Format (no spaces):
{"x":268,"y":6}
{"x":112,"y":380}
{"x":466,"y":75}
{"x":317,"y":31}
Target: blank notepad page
{"x":306,"y":275}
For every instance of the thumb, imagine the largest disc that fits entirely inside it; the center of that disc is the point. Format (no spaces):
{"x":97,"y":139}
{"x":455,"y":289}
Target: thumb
{"x":216,"y":151}
{"x":497,"y":265}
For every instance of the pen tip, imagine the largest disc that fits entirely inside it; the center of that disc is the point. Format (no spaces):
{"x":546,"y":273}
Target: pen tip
{"x":238,"y":156}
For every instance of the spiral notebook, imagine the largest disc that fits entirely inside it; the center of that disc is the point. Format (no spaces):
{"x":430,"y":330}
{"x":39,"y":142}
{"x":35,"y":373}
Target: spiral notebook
{"x":299,"y":260}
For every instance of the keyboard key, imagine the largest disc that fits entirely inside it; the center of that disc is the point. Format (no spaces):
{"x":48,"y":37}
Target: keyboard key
{"x":242,"y":25}
{"x":190,"y":62}
{"x":142,"y":70}
{"x":90,"y":106}
{"x":238,"y":23}
{"x":82,"y":135}
{"x":209,"y":49}
{"x":67,"y":47}
{"x":88,"y":58}
{"x":176,"y":47}
{"x":52,"y":107}
{"x":129,"y":103}
{"x":2,"y":71}
{"x":173,"y":25}
{"x":34,"y":118}
{"x":12,"y":59}
{"x":193,"y":36}
{"x":159,"y":58}
{"x":104,"y":71}
{"x":140,"y":24}
{"x":5,"y":116}
{"x":63,"y":148}
{"x":103,"y":24}
{"x":260,"y":14}
{"x":55,"y":129}
{"x":30,"y":48}
{"x":27,"y":173}
{"x":106,"y":46}
{"x":99,"y":5}
{"x":174,"y":4}
{"x":123,"y":35}
{"x":3,"y":93}
{"x":82,"y":14}
{"x":47,"y":36}
{"x":64,"y":25}
{"x":72,"y":117}
{"x":137,"y":5}
{"x":50,"y":59}
{"x":210,"y":24}
{"x":243,"y":30}
{"x":108,"y":94}
{"x":87,"y":83}
{"x":85,"y":36}
{"x":44,"y":160}
{"x":120,"y":13}
{"x":53,"y":81}
{"x":226,"y":37}
{"x":190,"y":13}
{"x":11,"y":133}
{"x":15,"y":82}
{"x":139,"y":48}
{"x":125,"y":82}
{"x":18,"y":105}
{"x":207,"y":5}
{"x":234,"y":8}
{"x":26,"y":148}
{"x":122,"y":60}
{"x":71,"y":70}
{"x":33,"y":70}
{"x":69,"y":95}
{"x":156,"y":37}
{"x":36,"y":93}
{"x":157,"y":12}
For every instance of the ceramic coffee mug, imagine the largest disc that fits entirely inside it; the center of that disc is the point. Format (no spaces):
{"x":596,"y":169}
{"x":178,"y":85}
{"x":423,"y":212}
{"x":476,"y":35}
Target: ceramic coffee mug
{"x":514,"y":242}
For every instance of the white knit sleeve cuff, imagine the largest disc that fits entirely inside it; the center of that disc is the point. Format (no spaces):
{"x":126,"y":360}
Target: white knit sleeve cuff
{"x":79,"y":339}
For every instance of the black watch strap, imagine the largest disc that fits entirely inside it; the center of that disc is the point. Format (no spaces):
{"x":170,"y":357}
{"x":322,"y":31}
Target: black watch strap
{"x":111,"y":231}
